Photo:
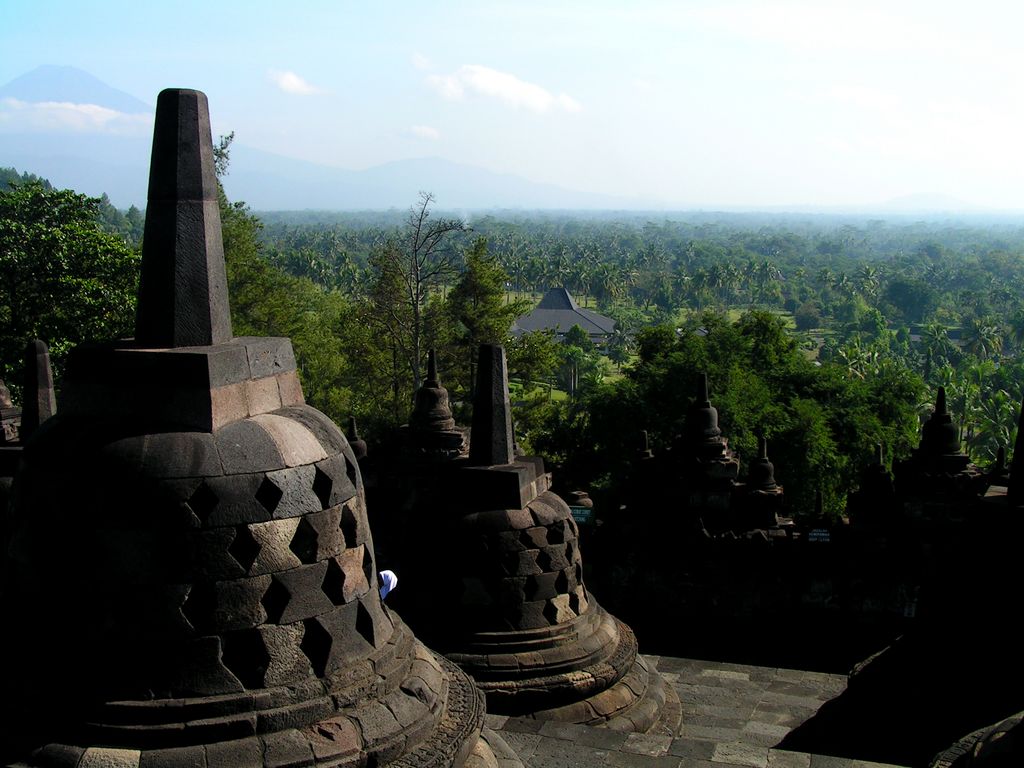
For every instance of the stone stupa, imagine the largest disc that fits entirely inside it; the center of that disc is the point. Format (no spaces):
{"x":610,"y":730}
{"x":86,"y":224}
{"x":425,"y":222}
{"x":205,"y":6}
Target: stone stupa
{"x":193,"y":577}
{"x":938,"y":478}
{"x":708,"y":466}
{"x":493,"y":577}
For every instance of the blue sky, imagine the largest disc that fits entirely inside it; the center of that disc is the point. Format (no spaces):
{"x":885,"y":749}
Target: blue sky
{"x":688,"y":103}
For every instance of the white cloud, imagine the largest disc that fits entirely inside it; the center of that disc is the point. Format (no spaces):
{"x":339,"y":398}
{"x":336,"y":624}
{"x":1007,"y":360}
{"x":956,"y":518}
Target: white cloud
{"x":426,"y":132}
{"x":289,"y":82}
{"x":505,"y":87}
{"x":61,"y":116}
{"x":420,"y":61}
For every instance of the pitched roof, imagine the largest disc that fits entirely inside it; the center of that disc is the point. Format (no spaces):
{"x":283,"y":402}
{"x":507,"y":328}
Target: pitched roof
{"x":559,"y":312}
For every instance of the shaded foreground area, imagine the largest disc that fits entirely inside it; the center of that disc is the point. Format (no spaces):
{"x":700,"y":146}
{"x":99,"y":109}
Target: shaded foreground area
{"x":733,"y":715}
{"x":924,"y":615}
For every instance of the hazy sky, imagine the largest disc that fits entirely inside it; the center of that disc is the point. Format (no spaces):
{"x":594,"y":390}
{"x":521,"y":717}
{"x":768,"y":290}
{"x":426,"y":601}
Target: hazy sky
{"x":690,"y":103}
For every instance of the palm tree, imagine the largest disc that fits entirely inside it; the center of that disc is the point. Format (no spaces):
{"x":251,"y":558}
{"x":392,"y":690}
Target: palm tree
{"x":766,"y":273}
{"x":1017,"y":328}
{"x":868,"y":281}
{"x":982,"y":338}
{"x":937,"y":348}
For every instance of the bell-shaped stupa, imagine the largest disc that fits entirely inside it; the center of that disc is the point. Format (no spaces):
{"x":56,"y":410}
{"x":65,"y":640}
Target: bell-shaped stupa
{"x":493,"y":578}
{"x":761,"y":499}
{"x":193,"y":577}
{"x":939,"y":477}
{"x":708,"y":468}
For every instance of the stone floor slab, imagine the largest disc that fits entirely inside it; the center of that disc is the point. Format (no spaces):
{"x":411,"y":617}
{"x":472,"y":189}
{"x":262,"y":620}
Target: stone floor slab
{"x":737,"y":753}
{"x":732,"y":716}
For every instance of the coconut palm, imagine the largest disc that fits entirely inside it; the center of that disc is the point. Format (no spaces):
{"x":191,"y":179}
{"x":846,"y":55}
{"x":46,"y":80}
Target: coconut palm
{"x":983,"y":338}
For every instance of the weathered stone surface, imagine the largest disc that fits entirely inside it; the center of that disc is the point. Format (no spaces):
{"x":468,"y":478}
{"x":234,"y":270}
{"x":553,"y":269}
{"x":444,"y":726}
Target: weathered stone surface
{"x":245,"y":447}
{"x":183,"y":298}
{"x":212,"y":533}
{"x":491,"y":440}
{"x":181,"y":454}
{"x":238,"y":753}
{"x":38,"y":398}
{"x":296,"y":488}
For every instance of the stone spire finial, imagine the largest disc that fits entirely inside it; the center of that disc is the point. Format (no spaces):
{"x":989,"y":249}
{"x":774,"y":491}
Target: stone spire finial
{"x":432,"y":366}
{"x":491,"y":441}
{"x":183,"y":296}
{"x":357,"y":444}
{"x":702,"y":420}
{"x":762,"y":472}
{"x":38,"y":400}
{"x":702,"y":389}
{"x":644,"y":448}
{"x":939,"y":434}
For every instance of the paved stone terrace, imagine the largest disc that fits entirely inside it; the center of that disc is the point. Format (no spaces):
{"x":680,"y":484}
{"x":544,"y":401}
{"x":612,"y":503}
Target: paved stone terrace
{"x":732,"y":716}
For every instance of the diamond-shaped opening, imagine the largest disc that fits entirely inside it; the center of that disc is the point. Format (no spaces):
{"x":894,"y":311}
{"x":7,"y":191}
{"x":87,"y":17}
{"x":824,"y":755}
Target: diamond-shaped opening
{"x":202,"y":501}
{"x":544,"y":560}
{"x":551,"y":612}
{"x":368,"y":565}
{"x":245,"y":549}
{"x":364,"y":625}
{"x":535,"y":537}
{"x":333,"y":584}
{"x":246,"y":657}
{"x":350,"y":470}
{"x":199,"y":606}
{"x":275,"y":600}
{"x":509,"y":563}
{"x":316,"y":644}
{"x":269,"y":495}
{"x":304,"y":542}
{"x":322,"y":485}
{"x":579,"y":572}
{"x":574,"y":603}
{"x":570,"y":551}
{"x":349,"y":526}
{"x":531,"y":588}
{"x":562,"y":582}
{"x":556,"y":533}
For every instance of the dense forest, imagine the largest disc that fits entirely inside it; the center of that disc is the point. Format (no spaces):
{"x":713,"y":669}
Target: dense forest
{"x":826,"y":334}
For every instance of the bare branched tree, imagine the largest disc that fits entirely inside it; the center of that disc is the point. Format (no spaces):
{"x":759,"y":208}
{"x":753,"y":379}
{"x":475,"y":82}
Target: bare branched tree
{"x":408,"y":266}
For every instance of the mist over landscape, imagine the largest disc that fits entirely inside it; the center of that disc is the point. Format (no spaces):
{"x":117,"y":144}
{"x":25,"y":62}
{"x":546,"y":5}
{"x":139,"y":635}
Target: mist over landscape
{"x":727,"y":293}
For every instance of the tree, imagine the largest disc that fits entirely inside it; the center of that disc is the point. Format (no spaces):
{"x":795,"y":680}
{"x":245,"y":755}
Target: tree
{"x":477,"y":305}
{"x":532,"y":357}
{"x":265,"y":301}
{"x":65,"y":280}
{"x":982,"y":337}
{"x":406,"y":268}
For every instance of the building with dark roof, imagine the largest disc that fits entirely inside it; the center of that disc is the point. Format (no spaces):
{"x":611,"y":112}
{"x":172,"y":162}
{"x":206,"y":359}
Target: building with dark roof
{"x":559,"y":312}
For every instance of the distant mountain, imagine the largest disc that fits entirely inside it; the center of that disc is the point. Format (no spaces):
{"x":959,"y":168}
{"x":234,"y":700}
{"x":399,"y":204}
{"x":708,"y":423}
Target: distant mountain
{"x":92,"y":164}
{"x":97,"y":162}
{"x":70,"y":85}
{"x":117,"y":162}
{"x":271,"y":182}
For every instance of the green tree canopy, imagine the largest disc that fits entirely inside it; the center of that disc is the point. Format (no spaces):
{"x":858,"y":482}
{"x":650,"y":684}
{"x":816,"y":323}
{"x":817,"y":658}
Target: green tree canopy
{"x":66,"y":281}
